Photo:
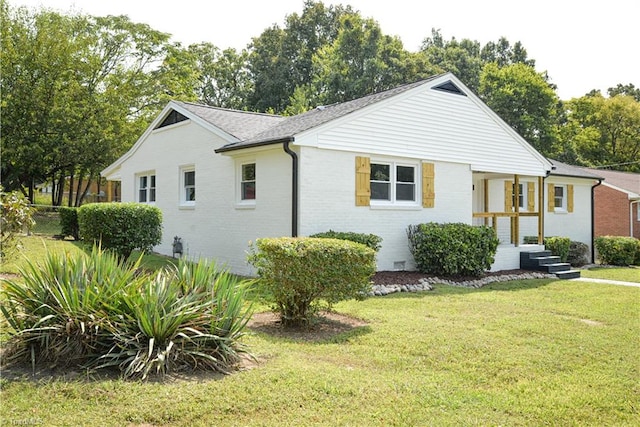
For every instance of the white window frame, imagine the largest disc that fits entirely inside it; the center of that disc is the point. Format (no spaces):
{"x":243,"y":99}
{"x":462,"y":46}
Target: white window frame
{"x":149,"y":189}
{"x":393,"y":182}
{"x":638,"y":205}
{"x":240,"y":202}
{"x":563,"y":207}
{"x":183,"y":186}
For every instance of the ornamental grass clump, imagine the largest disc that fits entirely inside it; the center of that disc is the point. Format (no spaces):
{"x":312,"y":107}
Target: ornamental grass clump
{"x":95,"y":311}
{"x":302,"y":274}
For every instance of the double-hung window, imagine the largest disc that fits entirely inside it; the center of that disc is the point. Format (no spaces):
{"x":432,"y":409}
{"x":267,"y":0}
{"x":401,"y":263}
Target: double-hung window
{"x":187,"y":186}
{"x":146,"y":188}
{"x":560,"y":197}
{"x":393,"y":183}
{"x":248,"y":182}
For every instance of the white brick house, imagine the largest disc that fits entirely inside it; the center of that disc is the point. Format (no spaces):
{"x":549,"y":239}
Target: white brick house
{"x":426,"y":151}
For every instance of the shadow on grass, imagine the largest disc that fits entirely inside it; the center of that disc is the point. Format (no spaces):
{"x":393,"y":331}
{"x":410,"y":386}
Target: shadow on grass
{"x":327,"y":327}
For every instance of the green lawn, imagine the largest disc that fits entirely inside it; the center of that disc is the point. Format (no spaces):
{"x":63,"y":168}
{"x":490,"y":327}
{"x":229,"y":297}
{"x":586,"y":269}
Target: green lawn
{"x":625,"y":274}
{"x":35,"y":247}
{"x":534,"y":352}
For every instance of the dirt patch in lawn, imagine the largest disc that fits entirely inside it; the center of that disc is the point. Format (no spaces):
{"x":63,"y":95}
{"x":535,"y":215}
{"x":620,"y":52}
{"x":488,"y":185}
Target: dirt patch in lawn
{"x":324,"y":327}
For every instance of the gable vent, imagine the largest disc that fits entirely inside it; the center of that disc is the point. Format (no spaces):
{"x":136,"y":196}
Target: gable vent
{"x":450,"y":87}
{"x":172,"y":118}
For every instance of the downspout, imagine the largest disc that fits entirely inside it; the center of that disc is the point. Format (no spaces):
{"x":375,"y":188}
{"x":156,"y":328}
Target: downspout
{"x":631,"y":216}
{"x":593,"y":222}
{"x":294,"y":187}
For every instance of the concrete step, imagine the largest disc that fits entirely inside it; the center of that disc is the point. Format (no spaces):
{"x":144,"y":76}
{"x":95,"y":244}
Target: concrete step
{"x":533,"y":254}
{"x":539,"y":261}
{"x":556,"y":267}
{"x":570,"y":274}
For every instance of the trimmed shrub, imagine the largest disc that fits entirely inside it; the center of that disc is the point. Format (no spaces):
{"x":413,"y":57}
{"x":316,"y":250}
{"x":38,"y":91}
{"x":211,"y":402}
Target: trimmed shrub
{"x":530,"y":240}
{"x":121,"y":227}
{"x":617,"y":250}
{"x":95,"y":311}
{"x":578,"y":254}
{"x":370,"y":240}
{"x":559,"y":246}
{"x":15,"y":219}
{"x":69,"y":222}
{"x":452,"y":249}
{"x":300,"y":274}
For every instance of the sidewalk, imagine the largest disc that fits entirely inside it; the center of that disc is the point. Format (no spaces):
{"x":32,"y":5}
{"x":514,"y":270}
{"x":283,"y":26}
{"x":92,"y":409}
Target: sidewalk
{"x":606,"y":282}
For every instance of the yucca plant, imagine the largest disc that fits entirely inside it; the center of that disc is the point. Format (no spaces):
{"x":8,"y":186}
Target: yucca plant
{"x":57,"y":312}
{"x":95,"y":311}
{"x":183,"y":318}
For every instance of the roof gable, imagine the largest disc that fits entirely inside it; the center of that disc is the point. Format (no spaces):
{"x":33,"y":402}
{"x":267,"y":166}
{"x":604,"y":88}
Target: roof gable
{"x":242,"y":125}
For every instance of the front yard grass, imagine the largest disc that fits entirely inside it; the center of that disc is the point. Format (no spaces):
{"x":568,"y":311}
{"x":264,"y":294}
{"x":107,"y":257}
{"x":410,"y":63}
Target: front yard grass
{"x":625,"y":274}
{"x":531,"y":352}
{"x":36,"y":246}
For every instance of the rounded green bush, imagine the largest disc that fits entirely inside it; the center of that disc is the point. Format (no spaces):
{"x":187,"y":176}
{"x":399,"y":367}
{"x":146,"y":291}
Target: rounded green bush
{"x":121,"y":227}
{"x":452,"y":249}
{"x":300,"y":273}
{"x":69,"y":222}
{"x":370,"y":240}
{"x":559,"y":246}
{"x":617,"y":250}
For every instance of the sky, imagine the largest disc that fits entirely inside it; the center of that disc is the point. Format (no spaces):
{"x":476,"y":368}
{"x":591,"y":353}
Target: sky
{"x":581,"y":44}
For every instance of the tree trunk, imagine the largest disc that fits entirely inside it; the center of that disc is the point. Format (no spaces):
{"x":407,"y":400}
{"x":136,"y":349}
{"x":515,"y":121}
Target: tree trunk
{"x":60,"y":189}
{"x":76,"y":202}
{"x":84,"y":192}
{"x":71,"y":182}
{"x":31,"y":194}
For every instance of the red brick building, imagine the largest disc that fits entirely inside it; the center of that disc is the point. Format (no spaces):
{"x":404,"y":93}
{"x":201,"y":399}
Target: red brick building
{"x":617,"y":204}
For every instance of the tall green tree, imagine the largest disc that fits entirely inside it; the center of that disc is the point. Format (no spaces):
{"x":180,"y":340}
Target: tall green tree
{"x":361,"y":60}
{"x":603,"y":132}
{"x":281,"y":59}
{"x":461,"y":58}
{"x":223,"y":79}
{"x":523,"y":98}
{"x":628,"y":89}
{"x":77,"y":92}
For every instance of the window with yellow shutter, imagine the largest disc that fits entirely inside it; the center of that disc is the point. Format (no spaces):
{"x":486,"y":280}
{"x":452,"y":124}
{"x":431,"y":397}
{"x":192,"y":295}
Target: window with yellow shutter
{"x":560,"y":198}
{"x":393,"y":183}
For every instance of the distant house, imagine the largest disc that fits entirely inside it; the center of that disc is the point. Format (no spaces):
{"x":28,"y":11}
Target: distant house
{"x":426,"y":151}
{"x":617,"y":204}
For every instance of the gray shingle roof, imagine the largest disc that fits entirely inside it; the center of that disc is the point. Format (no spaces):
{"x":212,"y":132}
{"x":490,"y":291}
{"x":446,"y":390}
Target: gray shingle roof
{"x":241,"y":124}
{"x":288,"y":127}
{"x":563,"y":169}
{"x":627,"y":181}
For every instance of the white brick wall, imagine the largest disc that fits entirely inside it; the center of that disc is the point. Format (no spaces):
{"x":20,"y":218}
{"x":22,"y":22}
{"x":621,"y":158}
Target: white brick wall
{"x":328,"y":202}
{"x":215,"y":228}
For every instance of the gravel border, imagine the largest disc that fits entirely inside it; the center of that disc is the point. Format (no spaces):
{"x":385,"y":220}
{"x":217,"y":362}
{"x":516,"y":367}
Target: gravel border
{"x":426,"y":284}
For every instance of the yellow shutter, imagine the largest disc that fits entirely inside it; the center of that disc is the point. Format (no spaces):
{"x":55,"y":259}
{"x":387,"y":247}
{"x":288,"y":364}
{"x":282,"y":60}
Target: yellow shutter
{"x":508,"y":196}
{"x":363,"y":181}
{"x":570,"y":198}
{"x":531,"y":196}
{"x":428,"y":185}
{"x":551,"y":203}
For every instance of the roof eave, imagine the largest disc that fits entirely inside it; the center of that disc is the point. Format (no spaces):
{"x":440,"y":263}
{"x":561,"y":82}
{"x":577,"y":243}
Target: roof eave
{"x":236,"y":147}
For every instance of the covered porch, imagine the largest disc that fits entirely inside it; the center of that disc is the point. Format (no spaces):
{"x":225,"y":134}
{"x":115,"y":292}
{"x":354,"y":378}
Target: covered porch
{"x":513,"y":206}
